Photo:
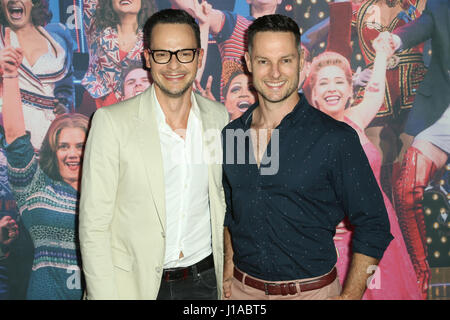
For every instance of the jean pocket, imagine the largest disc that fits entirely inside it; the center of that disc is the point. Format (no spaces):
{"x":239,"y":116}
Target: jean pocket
{"x":208,"y":279}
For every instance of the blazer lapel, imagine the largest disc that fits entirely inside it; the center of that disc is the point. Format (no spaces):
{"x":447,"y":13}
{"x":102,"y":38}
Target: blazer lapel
{"x":150,"y":151}
{"x":211,"y":133}
{"x":212,"y":148}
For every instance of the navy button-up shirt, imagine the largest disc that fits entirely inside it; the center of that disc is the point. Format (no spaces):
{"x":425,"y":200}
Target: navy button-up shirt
{"x":283,"y":215}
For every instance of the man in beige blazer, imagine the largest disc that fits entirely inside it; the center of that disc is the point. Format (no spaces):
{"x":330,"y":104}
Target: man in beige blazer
{"x":152,"y":210}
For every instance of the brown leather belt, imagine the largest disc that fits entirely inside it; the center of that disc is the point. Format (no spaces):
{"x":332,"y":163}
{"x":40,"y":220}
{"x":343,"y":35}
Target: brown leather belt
{"x":184,"y":273}
{"x":286,"y":287}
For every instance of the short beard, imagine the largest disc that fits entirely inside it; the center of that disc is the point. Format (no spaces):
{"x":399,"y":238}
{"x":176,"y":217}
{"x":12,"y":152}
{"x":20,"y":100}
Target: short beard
{"x":290,"y":91}
{"x":173,"y":94}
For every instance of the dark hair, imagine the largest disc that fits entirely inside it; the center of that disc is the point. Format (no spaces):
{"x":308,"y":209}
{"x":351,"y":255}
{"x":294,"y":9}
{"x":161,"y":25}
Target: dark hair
{"x":231,"y":69}
{"x":47,"y":155}
{"x":170,"y":16}
{"x":105,"y":16}
{"x":273,"y":23}
{"x":40,"y":14}
{"x":404,"y":4}
{"x":130,"y":67}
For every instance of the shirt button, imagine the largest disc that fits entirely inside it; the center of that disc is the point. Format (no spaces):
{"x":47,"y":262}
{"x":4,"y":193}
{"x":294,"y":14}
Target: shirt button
{"x":158,"y":269}
{"x":163,"y":234}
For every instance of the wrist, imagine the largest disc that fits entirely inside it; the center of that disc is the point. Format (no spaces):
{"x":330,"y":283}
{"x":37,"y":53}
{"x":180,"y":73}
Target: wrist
{"x":347,"y":296}
{"x":10,"y":75}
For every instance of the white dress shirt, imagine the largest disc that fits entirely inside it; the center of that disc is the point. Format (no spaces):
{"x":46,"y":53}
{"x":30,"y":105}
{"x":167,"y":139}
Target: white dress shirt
{"x":188,"y":219}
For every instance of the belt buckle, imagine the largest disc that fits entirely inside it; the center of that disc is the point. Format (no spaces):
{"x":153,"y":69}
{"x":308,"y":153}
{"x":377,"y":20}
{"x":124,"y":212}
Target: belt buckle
{"x":167,"y":277}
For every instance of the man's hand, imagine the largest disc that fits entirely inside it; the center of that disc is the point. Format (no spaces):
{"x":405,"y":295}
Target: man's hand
{"x":9,"y":231}
{"x":356,"y":281}
{"x":228,"y":265}
{"x":227,"y":277}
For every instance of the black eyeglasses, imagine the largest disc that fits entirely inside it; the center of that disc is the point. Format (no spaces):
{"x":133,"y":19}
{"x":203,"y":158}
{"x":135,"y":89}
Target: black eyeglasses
{"x":164,"y":56}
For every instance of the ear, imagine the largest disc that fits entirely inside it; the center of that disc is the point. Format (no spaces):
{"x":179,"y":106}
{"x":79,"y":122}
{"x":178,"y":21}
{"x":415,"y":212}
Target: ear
{"x":248,"y":61}
{"x":302,"y":60}
{"x":313,"y":101}
{"x":147,"y":59}
{"x":200,"y":57}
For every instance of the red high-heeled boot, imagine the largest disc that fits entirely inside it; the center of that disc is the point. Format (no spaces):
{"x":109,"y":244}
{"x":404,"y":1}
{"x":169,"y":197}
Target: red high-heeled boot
{"x":416,"y":172}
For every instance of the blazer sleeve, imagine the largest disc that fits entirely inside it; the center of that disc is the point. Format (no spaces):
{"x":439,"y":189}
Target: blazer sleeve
{"x":98,"y":195}
{"x":416,"y":31}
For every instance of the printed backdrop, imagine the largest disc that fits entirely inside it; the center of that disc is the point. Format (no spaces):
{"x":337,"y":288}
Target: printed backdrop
{"x":103,"y":75}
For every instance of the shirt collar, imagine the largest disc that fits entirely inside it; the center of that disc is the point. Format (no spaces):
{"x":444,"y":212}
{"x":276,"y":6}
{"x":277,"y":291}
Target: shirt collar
{"x":161,"y":117}
{"x":293,"y":116}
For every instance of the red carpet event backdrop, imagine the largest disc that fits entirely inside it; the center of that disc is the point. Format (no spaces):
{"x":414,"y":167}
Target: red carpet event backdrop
{"x":82,"y":62}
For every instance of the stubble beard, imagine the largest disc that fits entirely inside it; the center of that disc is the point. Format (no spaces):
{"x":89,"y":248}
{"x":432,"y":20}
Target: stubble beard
{"x":292,"y":88}
{"x":172,"y":93}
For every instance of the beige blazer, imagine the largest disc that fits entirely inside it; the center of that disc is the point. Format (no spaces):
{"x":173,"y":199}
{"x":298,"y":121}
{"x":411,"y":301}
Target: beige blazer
{"x":122,"y":209}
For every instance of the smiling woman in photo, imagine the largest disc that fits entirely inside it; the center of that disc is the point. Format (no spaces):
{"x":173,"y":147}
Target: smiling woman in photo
{"x":238,"y":89}
{"x":46,"y":191}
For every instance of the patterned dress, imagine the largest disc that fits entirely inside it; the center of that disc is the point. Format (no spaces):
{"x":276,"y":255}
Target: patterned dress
{"x":48,"y":209}
{"x":49,"y":78}
{"x":103,"y":77}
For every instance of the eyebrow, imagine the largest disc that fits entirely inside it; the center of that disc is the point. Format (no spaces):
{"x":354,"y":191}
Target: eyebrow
{"x":338,"y":77}
{"x":283,"y":57}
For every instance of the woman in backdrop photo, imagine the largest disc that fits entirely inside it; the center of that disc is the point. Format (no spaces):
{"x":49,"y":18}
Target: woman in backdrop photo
{"x":46,"y":191}
{"x":238,"y":89}
{"x":114,"y":36}
{"x":46,"y":70}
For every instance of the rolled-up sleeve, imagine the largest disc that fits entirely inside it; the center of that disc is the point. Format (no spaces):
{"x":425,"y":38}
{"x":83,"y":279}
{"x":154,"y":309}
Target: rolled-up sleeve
{"x":361,"y":198}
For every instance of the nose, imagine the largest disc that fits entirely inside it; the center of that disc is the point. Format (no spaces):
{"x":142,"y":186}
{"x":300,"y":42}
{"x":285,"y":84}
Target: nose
{"x":173,"y":63}
{"x":138,"y":87}
{"x":244,"y":93}
{"x":331,"y":87}
{"x":275,"y":71}
{"x":73,"y":152}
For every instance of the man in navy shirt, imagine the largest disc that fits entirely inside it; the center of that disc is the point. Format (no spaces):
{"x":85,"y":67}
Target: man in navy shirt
{"x":290,"y":175}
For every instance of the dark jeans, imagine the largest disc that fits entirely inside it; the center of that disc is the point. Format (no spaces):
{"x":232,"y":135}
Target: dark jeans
{"x":199,"y":286}
{"x":4,"y":284}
